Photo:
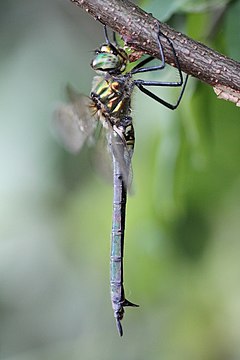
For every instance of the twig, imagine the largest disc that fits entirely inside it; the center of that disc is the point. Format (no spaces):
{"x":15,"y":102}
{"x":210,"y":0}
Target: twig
{"x":138,"y":30}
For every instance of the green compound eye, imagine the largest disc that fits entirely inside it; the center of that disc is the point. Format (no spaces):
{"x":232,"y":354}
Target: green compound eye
{"x":106,"y":62}
{"x":110,"y":59}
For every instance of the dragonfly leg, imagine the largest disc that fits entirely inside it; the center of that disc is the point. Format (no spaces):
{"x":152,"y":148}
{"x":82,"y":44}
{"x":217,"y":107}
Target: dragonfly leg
{"x":139,"y":68}
{"x":107,"y":37}
{"x":161,"y":101}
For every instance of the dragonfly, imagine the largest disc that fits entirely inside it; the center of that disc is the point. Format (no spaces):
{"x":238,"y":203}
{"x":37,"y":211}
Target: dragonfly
{"x":109,"y":105}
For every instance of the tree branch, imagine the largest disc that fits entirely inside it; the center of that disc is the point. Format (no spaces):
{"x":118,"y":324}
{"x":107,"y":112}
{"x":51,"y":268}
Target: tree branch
{"x":138,"y":30}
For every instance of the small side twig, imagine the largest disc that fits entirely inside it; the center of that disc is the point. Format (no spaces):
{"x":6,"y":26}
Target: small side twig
{"x":138,"y":30}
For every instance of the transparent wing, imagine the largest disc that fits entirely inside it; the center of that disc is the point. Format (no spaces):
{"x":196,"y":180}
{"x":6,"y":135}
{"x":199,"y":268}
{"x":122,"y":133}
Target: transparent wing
{"x":122,"y":156}
{"x":75,"y":122}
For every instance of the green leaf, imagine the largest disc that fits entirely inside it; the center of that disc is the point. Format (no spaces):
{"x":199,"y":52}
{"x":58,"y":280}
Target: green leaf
{"x":231,"y":28}
{"x":164,"y":10}
{"x":203,"y":5}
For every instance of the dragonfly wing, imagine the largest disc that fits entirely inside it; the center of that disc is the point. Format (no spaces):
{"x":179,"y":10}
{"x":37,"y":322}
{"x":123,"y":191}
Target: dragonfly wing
{"x":75,"y":122}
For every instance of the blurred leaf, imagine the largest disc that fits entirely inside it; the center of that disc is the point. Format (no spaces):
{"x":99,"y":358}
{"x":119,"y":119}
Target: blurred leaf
{"x":232,"y":32}
{"x":197,"y":24}
{"x":163,"y":10}
{"x":203,"y":5}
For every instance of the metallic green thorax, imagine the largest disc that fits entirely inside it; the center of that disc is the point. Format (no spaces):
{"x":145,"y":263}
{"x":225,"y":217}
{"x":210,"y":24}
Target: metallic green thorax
{"x":112,"y":97}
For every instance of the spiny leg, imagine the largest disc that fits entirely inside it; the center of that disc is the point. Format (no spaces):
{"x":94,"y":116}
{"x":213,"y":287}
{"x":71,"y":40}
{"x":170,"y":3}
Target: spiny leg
{"x":107,"y":37}
{"x":139,"y":68}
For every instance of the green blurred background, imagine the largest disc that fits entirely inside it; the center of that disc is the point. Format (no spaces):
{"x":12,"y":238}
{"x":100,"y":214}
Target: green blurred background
{"x":183,"y":221}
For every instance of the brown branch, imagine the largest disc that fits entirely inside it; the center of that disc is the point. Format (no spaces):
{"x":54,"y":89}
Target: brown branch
{"x":138,"y":29}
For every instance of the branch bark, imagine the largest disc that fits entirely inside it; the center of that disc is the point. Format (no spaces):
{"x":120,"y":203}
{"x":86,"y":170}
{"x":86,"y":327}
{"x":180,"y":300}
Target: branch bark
{"x":138,"y":30}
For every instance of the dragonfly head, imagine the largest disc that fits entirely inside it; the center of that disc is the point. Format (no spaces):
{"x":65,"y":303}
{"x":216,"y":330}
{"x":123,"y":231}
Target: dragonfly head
{"x":110,"y":59}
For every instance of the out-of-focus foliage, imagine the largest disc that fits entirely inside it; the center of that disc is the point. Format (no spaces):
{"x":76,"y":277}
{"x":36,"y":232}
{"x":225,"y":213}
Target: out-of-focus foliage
{"x":164,"y":9}
{"x":182,"y":239}
{"x":232,"y":31}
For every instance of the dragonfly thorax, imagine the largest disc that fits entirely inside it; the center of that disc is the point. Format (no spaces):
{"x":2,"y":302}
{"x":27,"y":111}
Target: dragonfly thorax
{"x":112,"y":96}
{"x":109,"y":59}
